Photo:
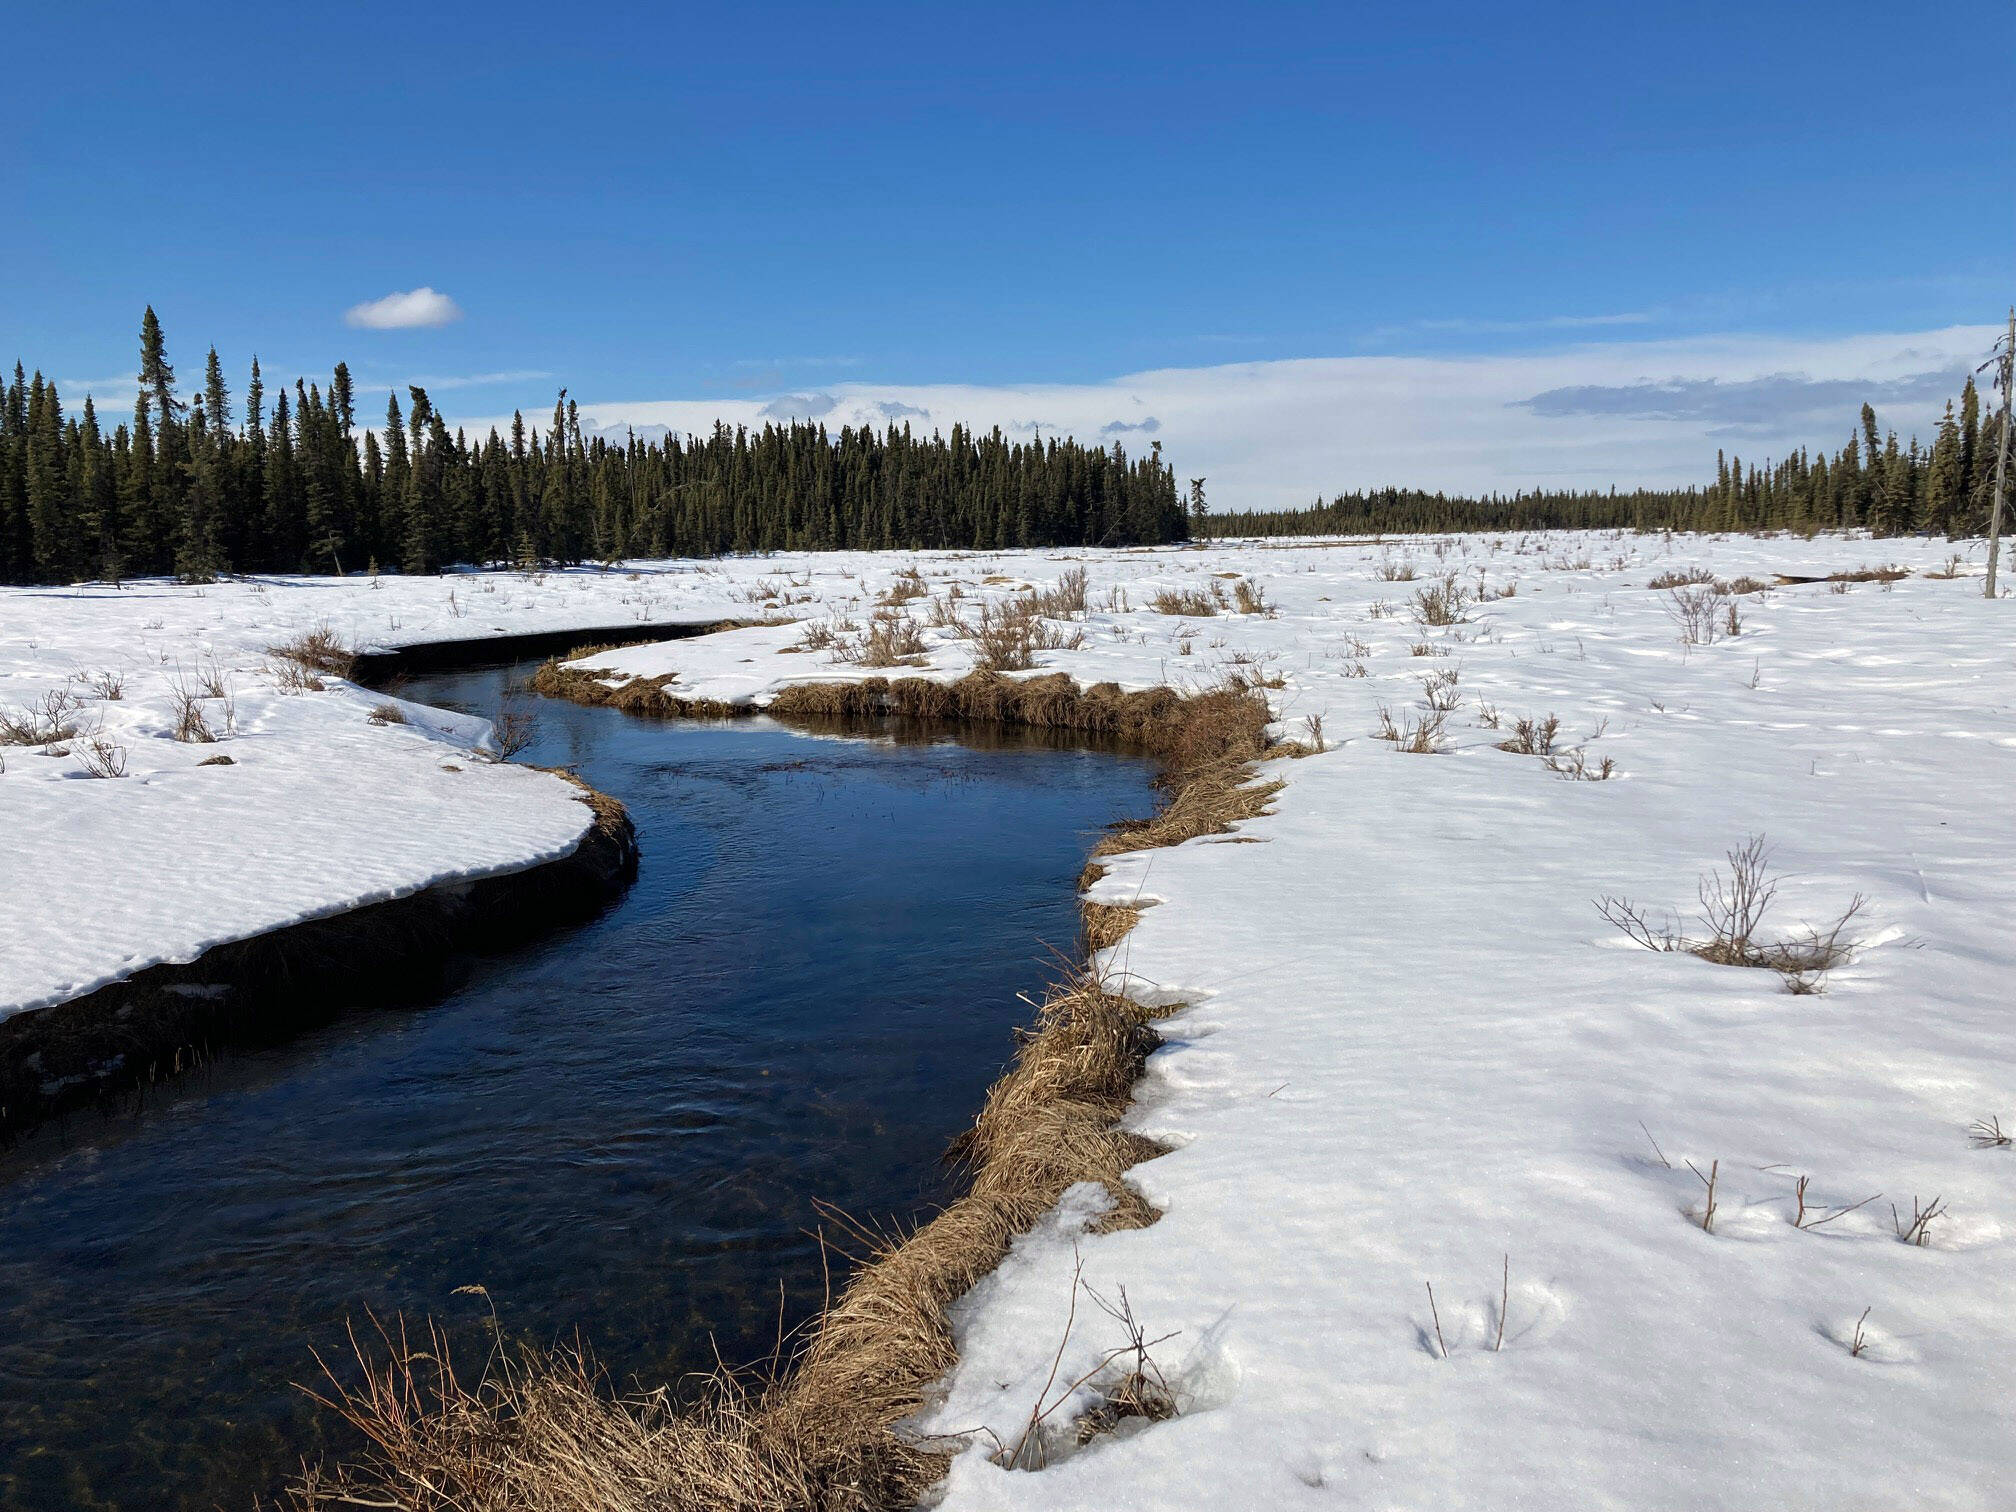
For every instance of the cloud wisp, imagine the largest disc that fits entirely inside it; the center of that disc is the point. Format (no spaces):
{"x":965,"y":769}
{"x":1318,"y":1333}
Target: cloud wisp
{"x":404,"y":310}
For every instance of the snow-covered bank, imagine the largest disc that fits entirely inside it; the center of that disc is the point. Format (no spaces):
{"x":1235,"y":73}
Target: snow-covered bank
{"x":1412,"y":1049}
{"x":1415,"y":1055}
{"x":320,"y":810}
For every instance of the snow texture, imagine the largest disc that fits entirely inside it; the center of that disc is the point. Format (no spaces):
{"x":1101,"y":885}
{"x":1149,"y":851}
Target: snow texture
{"x":1410,"y":1052}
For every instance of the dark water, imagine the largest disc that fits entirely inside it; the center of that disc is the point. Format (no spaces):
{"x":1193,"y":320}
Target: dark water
{"x":621,"y":1128}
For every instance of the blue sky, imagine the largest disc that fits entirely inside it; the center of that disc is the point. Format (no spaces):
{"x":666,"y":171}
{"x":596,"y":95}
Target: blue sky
{"x":728,"y":205}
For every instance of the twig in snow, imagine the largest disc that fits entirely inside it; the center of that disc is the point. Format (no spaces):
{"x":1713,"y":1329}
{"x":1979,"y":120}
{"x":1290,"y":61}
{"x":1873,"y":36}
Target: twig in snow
{"x":1504,"y":1302}
{"x":1987,"y":1134}
{"x":1434,"y":1313}
{"x":1859,"y":1343}
{"x":1919,"y":1230}
{"x":1708,"y":1181}
{"x":1655,"y":1146}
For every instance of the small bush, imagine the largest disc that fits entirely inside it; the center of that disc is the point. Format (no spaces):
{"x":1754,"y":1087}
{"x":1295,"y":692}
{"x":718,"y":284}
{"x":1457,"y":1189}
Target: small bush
{"x":512,"y":731}
{"x":1732,"y":912}
{"x":1682,"y":577}
{"x":387,"y":714}
{"x":1007,"y":636}
{"x":909,"y":585}
{"x":108,"y":685}
{"x":1197,"y":603}
{"x":1440,"y":603}
{"x":1414,"y":735}
{"x":891,"y":639}
{"x":1064,"y":598}
{"x":1248,"y":598}
{"x":100,"y":757}
{"x":319,"y":650}
{"x":1532,"y":737}
{"x":51,"y":720}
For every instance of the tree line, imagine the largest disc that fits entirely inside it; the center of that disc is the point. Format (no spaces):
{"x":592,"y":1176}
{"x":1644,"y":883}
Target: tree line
{"x":1872,"y":483}
{"x":195,"y":488}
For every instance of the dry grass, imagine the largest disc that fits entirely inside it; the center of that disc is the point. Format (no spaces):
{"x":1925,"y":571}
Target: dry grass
{"x":319,"y":649}
{"x":1415,"y":735}
{"x":891,"y":639}
{"x":1006,"y":636}
{"x":50,"y":720}
{"x":1532,"y":737}
{"x":387,"y":714}
{"x":1250,"y":598}
{"x":1104,"y":925}
{"x":1681,"y":577}
{"x":1194,"y":603}
{"x":1065,"y":597}
{"x":542,"y":1432}
{"x":909,"y":585}
{"x":100,"y":757}
{"x":1441,"y":603}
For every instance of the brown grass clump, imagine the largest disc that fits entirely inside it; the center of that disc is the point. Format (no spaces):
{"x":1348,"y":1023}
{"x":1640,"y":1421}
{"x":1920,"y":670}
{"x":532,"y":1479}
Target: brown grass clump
{"x":1197,"y":603}
{"x":541,"y":1432}
{"x":320,"y":649}
{"x":891,"y":639}
{"x":1682,"y":577}
{"x":1007,"y":636}
{"x":1105,"y":925}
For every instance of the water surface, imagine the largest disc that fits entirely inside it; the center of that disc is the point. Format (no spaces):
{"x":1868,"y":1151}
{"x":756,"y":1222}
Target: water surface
{"x":622,"y":1128}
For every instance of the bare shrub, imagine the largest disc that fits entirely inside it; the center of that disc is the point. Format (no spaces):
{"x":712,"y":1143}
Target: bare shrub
{"x":1732,"y":912}
{"x":1532,"y":737}
{"x":319,"y":649}
{"x":1441,"y":603}
{"x":1951,"y":569}
{"x":1738,"y":587}
{"x":909,"y":585}
{"x":192,"y":727}
{"x":1065,"y":597}
{"x":1575,"y":765}
{"x":1414,"y":735}
{"x":819,"y":635}
{"x":100,"y":757}
{"x":1889,"y":572}
{"x":1140,"y":1390}
{"x":1006,"y":636}
{"x":1917,"y":1230}
{"x":1438,"y":689}
{"x":1695,"y":611}
{"x":108,"y":685}
{"x":387,"y":714}
{"x":512,"y":731}
{"x":1681,"y":577}
{"x":50,"y":720}
{"x":1249,"y":598}
{"x":891,"y":639}
{"x":1397,"y":572}
{"x":294,"y":677}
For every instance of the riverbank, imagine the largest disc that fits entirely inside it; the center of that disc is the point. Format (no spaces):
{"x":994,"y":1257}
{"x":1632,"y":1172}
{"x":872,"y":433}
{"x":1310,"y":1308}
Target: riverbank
{"x":1413,"y":1053}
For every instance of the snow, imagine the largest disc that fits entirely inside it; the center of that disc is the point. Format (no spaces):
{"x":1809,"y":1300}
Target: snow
{"x":1409,"y":1048}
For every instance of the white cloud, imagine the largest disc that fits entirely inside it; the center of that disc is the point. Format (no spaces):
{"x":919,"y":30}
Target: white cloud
{"x":1277,"y":434}
{"x":404,"y":311}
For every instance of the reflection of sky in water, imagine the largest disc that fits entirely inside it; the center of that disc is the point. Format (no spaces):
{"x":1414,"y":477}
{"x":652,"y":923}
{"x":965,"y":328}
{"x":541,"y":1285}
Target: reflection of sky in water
{"x":622,"y":1128}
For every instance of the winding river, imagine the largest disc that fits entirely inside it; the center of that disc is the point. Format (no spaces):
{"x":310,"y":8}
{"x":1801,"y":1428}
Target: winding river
{"x":621,"y":1128}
